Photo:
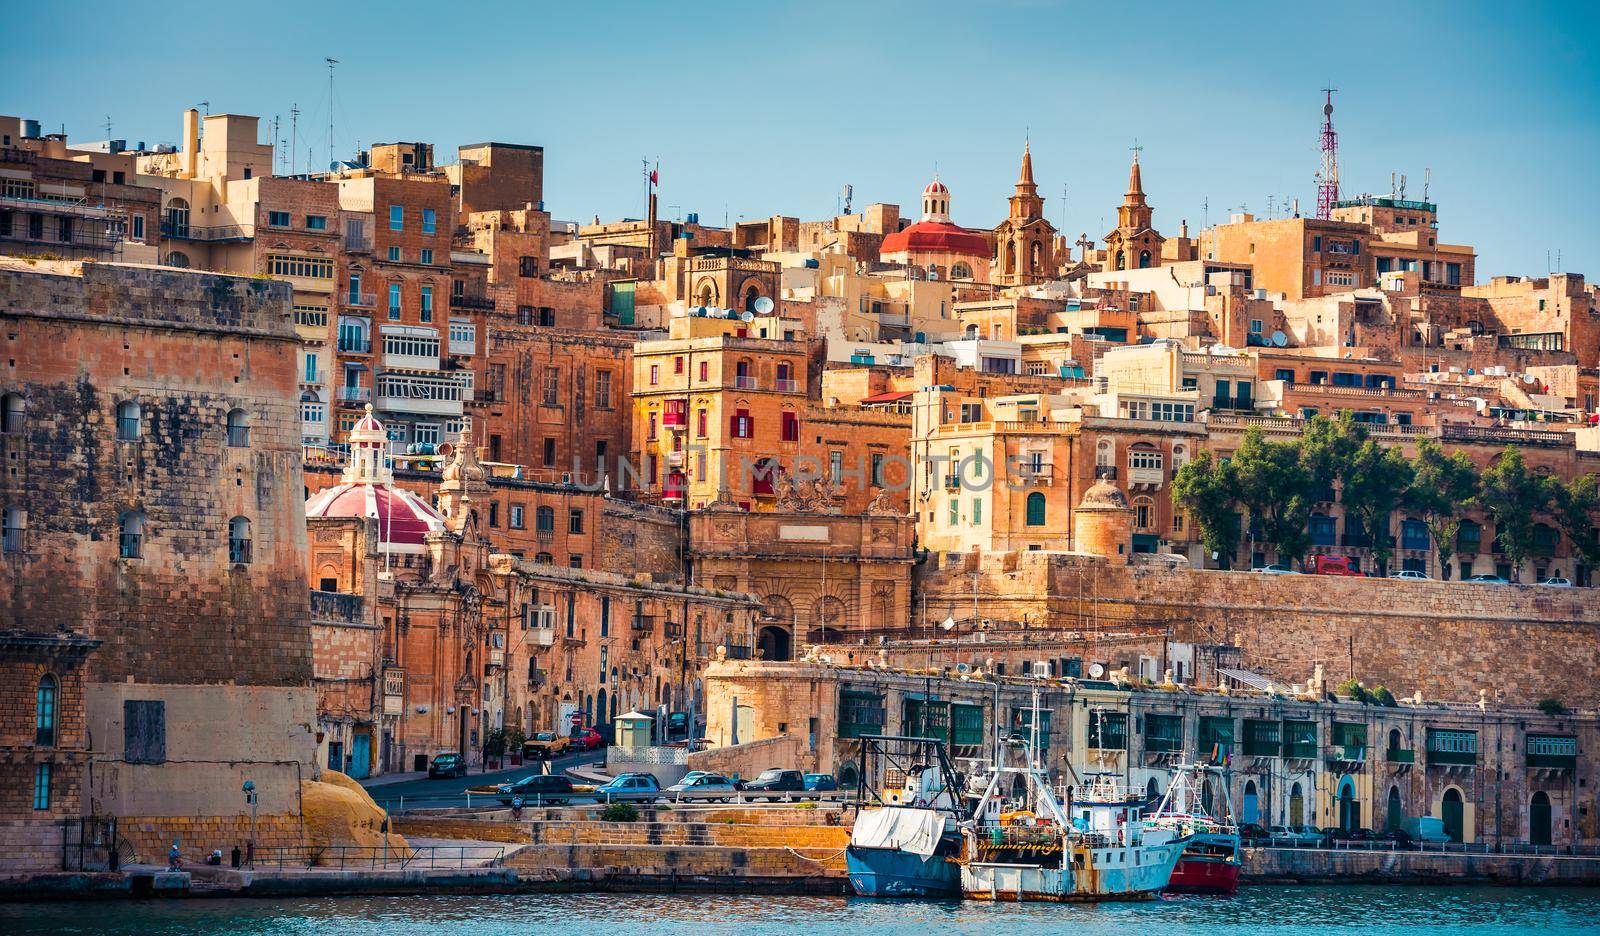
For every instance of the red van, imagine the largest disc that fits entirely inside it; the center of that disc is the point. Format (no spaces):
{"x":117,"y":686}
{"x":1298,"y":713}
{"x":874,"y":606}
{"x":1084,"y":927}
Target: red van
{"x":1333,"y":565}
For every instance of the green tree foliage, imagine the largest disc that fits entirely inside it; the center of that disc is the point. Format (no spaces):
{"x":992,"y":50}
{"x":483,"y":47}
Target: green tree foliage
{"x":1276,"y":488}
{"x":1442,"y":487}
{"x":1376,"y":479}
{"x":1511,"y":496}
{"x":1573,"y":506}
{"x":1328,"y":447}
{"x":1206,"y":489}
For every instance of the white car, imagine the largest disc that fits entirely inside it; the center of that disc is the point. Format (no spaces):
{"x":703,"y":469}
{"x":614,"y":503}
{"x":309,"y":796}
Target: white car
{"x":1411,"y":575}
{"x":1274,"y":569}
{"x":1557,"y":582}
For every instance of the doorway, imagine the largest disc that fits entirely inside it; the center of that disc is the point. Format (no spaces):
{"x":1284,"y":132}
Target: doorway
{"x":1453,"y":811}
{"x":1539,"y":819}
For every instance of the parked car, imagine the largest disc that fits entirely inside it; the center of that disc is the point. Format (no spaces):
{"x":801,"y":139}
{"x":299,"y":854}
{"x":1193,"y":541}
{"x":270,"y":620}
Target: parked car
{"x":705,"y":786}
{"x":587,"y":739}
{"x":538,"y":788}
{"x":447,"y":765}
{"x":1334,"y":565}
{"x":821,"y":782}
{"x":1425,"y":830}
{"x":1281,"y":835}
{"x":629,"y":784}
{"x":544,"y":745}
{"x":774,"y":782}
{"x":677,"y":726}
{"x":1274,"y":569}
{"x":1557,"y":582}
{"x":1411,"y":575}
{"x":1306,"y":835}
{"x":1487,"y":579}
{"x":1252,"y":833}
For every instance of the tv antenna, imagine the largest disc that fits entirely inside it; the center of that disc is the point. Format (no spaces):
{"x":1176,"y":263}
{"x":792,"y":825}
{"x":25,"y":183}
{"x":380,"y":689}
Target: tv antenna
{"x":848,"y":192}
{"x":331,"y":63}
{"x":294,"y":134}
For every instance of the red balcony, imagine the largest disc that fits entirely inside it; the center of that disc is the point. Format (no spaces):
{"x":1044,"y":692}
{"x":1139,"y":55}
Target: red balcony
{"x":673,"y":487}
{"x":675,"y":414}
{"x":763,"y":478}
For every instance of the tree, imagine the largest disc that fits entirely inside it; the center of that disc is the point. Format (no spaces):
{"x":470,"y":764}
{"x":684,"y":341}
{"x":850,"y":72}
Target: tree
{"x":1328,"y":447}
{"x":1375,"y":484}
{"x":1276,"y":487}
{"x":1442,"y":486}
{"x":1573,"y":506}
{"x":1511,"y":495}
{"x":1207,"y":491}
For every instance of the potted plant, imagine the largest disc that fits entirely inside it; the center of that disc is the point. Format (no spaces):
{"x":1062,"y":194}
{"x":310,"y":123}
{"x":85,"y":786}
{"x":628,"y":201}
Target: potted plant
{"x":514,"y":739}
{"x":494,"y":747}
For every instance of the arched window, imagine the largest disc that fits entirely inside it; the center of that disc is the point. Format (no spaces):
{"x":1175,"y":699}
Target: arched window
{"x":1122,"y":260}
{"x":12,"y":522}
{"x":972,"y":332}
{"x":1011,"y":258}
{"x":44,"y":719}
{"x":1035,"y":257}
{"x":959,"y":270}
{"x":1144,"y":513}
{"x":178,"y":258}
{"x":751,"y":294}
{"x":1144,"y":259}
{"x":239,"y":539}
{"x":544,"y":520}
{"x":12,"y":412}
{"x":130,"y":534}
{"x":544,"y":558}
{"x":238,"y":429}
{"x":128,"y":414}
{"x":1036,"y":508}
{"x":177,"y":220}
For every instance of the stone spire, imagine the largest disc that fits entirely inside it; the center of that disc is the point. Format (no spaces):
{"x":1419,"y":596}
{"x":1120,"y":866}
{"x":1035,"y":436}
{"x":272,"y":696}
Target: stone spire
{"x":1026,"y":203}
{"x":1135,"y":213}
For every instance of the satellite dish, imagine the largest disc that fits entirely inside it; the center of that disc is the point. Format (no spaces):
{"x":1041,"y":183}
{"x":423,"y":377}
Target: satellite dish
{"x":933,"y":274}
{"x":1280,"y":340}
{"x":749,"y":316}
{"x":949,"y":624}
{"x":963,"y":668}
{"x":1096,"y":671}
{"x":763,"y":305}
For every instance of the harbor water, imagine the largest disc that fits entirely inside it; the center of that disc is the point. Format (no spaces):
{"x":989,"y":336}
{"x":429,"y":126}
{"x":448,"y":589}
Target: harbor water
{"x":1254,"y":912}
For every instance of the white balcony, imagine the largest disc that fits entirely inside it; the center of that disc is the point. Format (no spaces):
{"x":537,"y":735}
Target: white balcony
{"x":1146,"y":477}
{"x":418,"y":393}
{"x":544,"y":636}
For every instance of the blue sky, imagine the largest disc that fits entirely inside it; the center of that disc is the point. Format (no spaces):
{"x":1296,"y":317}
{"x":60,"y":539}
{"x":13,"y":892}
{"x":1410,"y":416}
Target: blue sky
{"x":759,"y":108}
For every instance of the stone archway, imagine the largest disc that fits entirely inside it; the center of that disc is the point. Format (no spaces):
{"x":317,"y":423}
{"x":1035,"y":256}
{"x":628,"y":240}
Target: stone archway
{"x":827,"y":620}
{"x":1396,"y":815}
{"x":775,"y":643}
{"x":1297,"y":806}
{"x":1349,"y":808}
{"x":1539,"y":819}
{"x":1452,"y":810}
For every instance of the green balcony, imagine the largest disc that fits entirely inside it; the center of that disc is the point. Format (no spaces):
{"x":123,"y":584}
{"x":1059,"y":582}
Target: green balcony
{"x":1453,"y":758}
{"x":1400,"y":756}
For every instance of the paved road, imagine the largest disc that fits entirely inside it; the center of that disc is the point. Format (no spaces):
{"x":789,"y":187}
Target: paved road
{"x":426,"y":793}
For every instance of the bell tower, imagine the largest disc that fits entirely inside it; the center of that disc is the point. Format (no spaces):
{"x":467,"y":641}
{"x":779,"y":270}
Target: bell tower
{"x":1024,"y":241}
{"x":1134,"y":243}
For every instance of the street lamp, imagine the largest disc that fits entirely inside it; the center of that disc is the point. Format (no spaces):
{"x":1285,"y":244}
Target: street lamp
{"x":250,"y":797}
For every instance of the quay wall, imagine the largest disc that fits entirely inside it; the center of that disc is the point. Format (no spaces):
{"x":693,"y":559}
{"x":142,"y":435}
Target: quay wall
{"x":1448,"y":640}
{"x":1335,"y":866}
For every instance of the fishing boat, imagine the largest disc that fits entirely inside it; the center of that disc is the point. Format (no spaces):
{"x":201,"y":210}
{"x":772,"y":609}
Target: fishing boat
{"x":1210,"y":862}
{"x":1024,"y":844}
{"x":907,"y":844}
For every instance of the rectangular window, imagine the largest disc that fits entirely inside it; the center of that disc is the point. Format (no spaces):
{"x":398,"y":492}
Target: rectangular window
{"x":877,"y":469}
{"x":41,"y":786}
{"x":742,"y":426}
{"x":144,"y":731}
{"x":517,"y":518}
{"x":860,"y":713}
{"x":277,"y":219}
{"x":1108,"y":731}
{"x":836,"y":466}
{"x":677,"y":365}
{"x":605,"y":615}
{"x":1163,"y":733}
{"x":394,"y":254}
{"x":394,"y":302}
{"x":655,"y":375}
{"x":138,"y":234}
{"x":397,"y":218}
{"x":955,"y":511}
{"x":430,"y":221}
{"x":552,"y":386}
{"x":427,"y":303}
{"x":575,"y":521}
{"x":527,"y":266}
{"x":1446,"y":746}
{"x":705,"y":369}
{"x":549,"y":452}
{"x":427,"y":256}
{"x":790,"y":426}
{"x":602,"y":389}
{"x":316,"y":222}
{"x":977,"y":511}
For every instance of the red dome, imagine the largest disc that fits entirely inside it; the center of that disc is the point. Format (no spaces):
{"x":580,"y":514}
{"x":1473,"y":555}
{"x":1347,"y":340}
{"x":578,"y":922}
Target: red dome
{"x":403,"y":518}
{"x":935,"y":237}
{"x":936,"y":188}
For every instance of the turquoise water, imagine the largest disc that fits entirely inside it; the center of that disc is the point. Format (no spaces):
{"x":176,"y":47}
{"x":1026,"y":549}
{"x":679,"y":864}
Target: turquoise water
{"x":1305,"y":911}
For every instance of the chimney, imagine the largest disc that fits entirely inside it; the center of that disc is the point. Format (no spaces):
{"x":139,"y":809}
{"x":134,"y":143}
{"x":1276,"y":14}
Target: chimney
{"x":191,"y":142}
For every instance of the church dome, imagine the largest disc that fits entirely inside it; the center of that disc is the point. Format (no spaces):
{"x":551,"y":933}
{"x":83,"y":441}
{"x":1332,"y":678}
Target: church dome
{"x":1103,"y":495}
{"x":367,"y":490}
{"x":935,"y":237}
{"x":936,"y":188}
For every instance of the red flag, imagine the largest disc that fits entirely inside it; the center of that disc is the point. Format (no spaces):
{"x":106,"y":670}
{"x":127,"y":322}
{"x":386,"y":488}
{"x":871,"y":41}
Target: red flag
{"x":653,"y":177}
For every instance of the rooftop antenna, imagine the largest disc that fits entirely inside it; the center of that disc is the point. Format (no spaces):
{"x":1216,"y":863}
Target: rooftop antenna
{"x":294,"y":134}
{"x":849,"y":193}
{"x":108,"y":126}
{"x":1427,"y":179}
{"x":206,"y":106}
{"x":1402,"y":186}
{"x":277,"y":150}
{"x":331,"y":63}
{"x":1328,"y":175}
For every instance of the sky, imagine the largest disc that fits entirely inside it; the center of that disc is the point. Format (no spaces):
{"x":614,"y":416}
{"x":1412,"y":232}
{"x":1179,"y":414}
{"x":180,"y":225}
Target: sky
{"x":759,"y":108}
